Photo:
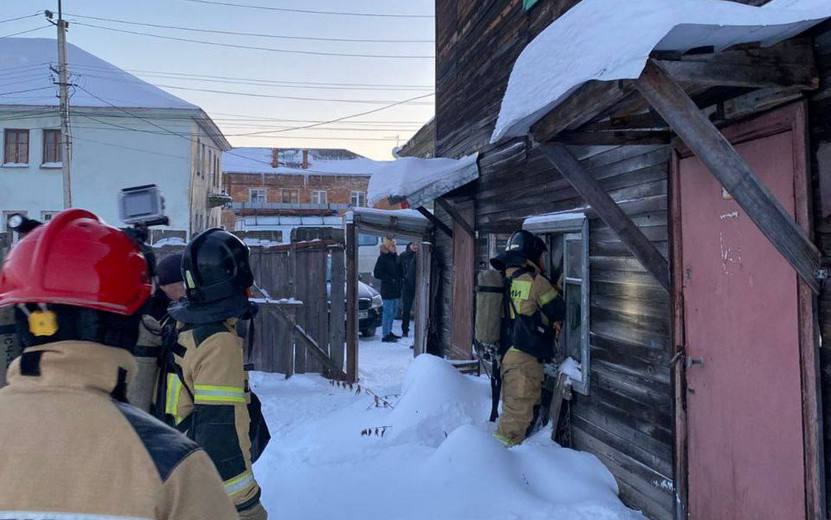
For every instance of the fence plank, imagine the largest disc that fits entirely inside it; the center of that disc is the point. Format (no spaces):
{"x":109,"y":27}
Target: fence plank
{"x":337,"y":309}
{"x":351,"y":303}
{"x":422,"y":297}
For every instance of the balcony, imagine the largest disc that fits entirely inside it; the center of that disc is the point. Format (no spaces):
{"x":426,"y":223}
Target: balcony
{"x":216,"y":199}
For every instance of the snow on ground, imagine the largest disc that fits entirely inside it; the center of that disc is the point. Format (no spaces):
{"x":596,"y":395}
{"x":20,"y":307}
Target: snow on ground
{"x":435,"y":460}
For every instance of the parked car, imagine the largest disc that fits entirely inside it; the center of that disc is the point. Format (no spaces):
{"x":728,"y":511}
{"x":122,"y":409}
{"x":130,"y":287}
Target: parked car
{"x":369,"y":310}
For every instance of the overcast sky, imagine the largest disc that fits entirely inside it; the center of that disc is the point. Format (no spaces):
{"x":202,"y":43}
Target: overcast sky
{"x":373,"y":135}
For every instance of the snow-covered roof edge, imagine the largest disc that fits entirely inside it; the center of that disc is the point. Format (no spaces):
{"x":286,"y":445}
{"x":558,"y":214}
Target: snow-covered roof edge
{"x":610,"y":40}
{"x":417,"y":181}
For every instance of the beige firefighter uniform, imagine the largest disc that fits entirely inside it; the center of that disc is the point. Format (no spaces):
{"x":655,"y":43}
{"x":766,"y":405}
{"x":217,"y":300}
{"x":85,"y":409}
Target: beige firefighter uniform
{"x":142,"y":390}
{"x":522,"y":370}
{"x":209,"y":402}
{"x":70,"y":450}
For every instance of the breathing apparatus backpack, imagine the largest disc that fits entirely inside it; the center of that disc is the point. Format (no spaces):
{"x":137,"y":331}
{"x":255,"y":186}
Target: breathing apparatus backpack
{"x":493,"y":326}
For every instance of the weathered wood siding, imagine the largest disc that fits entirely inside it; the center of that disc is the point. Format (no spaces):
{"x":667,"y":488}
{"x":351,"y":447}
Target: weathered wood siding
{"x":627,"y":418}
{"x":820,"y":140}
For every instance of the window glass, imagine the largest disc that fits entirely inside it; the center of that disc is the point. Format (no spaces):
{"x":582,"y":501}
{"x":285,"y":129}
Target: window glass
{"x":16,"y":147}
{"x":257,"y":196}
{"x":358,"y":199}
{"x":291,"y":197}
{"x":574,"y":256}
{"x":367,"y":240}
{"x":319,"y":197}
{"x":51,"y":146}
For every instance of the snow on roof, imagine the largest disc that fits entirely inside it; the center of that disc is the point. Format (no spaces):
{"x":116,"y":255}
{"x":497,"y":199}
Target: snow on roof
{"x":419,"y":181}
{"x":549,"y":222}
{"x":611,"y":40}
{"x":28,"y":61}
{"x":321,"y":162}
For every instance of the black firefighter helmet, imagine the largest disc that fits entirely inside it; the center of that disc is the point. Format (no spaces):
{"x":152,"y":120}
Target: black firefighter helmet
{"x":217,"y":275}
{"x":523,"y":245}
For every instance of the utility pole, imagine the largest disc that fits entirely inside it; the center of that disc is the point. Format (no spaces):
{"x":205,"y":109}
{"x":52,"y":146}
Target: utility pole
{"x":63,"y":83}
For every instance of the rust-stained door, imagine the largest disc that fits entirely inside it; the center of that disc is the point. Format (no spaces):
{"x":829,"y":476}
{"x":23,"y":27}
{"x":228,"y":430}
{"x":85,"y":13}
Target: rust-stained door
{"x":741,"y":321}
{"x":461,"y":328}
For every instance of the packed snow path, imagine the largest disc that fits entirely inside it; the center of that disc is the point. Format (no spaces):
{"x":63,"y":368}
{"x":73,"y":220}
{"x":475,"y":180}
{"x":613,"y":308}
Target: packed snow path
{"x":435,"y":460}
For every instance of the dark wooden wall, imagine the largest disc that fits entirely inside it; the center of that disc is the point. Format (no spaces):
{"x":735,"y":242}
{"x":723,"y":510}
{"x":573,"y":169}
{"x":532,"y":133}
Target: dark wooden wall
{"x":820,"y":137}
{"x":627,"y":418}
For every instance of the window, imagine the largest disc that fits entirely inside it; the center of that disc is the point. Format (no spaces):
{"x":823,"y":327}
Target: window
{"x":46,"y":216}
{"x":368,"y":240}
{"x":357,"y":199}
{"x":51,"y":147}
{"x":567,"y":261}
{"x":319,"y":197}
{"x":200,"y":149}
{"x":257,"y":196}
{"x":16,"y":147}
{"x":291,"y":197}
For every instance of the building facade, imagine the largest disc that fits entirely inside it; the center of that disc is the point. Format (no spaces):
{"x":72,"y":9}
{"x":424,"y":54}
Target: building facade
{"x":670,"y":402}
{"x":281,"y":189}
{"x":124,"y":132}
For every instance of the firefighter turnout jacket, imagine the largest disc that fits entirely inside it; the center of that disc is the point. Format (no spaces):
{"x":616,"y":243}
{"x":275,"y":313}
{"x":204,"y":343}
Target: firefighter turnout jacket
{"x":207,"y":398}
{"x":72,"y":449}
{"x":534,"y":307}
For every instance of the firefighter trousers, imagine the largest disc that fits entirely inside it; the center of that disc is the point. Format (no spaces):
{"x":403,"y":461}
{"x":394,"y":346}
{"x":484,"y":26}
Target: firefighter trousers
{"x":522,"y":378}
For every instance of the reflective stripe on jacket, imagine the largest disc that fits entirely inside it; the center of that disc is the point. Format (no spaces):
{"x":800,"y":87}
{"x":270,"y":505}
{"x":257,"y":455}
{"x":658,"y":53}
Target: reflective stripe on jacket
{"x":538,"y":305}
{"x":211,"y":405}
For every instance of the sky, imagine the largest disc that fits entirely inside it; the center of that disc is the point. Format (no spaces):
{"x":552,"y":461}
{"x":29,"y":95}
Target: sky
{"x":341,"y":85}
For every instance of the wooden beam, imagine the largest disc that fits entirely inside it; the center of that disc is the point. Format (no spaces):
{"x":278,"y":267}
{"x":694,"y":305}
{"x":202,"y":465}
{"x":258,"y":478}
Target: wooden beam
{"x":351,"y":303}
{"x":456,"y":216}
{"x":732,"y":171}
{"x":586,"y":103}
{"x":751,"y":73}
{"x":435,"y":220}
{"x":615,"y":137}
{"x":311,"y":345}
{"x":606,"y":208}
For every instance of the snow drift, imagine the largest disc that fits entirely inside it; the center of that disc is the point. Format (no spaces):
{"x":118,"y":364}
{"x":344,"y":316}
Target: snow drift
{"x":610,"y":40}
{"x":437,"y":458}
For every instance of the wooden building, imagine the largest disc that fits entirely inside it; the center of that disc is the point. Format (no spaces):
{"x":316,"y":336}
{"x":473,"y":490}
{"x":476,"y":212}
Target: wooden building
{"x":697,"y":312}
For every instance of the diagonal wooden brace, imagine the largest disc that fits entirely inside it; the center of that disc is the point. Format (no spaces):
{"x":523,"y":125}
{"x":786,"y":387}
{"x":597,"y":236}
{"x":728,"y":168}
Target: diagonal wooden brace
{"x":731,"y":170}
{"x":606,"y":208}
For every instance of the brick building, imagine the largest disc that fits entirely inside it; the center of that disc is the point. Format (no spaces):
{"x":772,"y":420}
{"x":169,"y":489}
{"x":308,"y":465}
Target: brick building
{"x":279,"y":189}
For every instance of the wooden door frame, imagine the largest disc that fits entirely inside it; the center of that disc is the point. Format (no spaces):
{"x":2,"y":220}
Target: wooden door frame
{"x":793,"y":118}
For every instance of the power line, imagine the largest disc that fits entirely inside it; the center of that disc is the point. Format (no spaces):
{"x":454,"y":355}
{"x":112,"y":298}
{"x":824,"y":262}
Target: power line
{"x":26,"y":31}
{"x":256,"y":48}
{"x":261,"y":82}
{"x":241,"y":33}
{"x":310,"y":11}
{"x":21,"y":17}
{"x":23,"y":91}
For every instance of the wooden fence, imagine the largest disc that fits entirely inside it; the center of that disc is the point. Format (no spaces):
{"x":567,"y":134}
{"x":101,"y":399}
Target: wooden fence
{"x":300,"y":327}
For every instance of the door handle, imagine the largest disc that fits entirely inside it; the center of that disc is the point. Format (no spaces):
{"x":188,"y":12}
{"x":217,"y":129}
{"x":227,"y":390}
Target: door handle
{"x":692,"y":361}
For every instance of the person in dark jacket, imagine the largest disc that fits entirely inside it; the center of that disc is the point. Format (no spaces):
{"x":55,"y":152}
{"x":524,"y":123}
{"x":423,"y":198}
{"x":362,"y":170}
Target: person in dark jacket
{"x":408,"y":271}
{"x":388,"y":271}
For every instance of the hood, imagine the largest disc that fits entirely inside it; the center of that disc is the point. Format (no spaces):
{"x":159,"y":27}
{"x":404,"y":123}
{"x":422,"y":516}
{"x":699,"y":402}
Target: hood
{"x":366,"y":291}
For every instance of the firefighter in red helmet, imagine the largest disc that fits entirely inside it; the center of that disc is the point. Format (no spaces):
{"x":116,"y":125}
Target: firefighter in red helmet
{"x":72,"y":446}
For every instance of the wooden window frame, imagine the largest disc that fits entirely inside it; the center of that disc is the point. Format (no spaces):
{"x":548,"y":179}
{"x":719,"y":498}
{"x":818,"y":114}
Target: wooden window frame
{"x":252,"y":191}
{"x":45,"y":150}
{"x":6,"y":133}
{"x":317,"y":193}
{"x":290,"y":191}
{"x":569,"y":226}
{"x":361,"y":196}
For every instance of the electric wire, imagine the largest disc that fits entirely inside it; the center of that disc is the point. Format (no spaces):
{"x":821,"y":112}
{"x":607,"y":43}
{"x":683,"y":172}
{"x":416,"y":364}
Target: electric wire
{"x":310,"y":11}
{"x":253,"y":47}
{"x":243,"y":33}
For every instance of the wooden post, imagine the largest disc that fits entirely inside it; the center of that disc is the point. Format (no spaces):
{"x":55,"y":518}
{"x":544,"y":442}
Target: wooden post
{"x":603,"y":205}
{"x":337,"y":309}
{"x":424,"y":259}
{"x":731,"y":170}
{"x":351,"y":303}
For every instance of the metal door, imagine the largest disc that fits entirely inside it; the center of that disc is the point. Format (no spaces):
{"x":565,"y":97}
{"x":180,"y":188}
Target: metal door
{"x":741,"y":323}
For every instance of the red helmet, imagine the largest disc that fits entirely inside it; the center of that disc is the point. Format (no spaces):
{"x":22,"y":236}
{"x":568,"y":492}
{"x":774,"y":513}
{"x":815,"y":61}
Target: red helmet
{"x":76,"y":260}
